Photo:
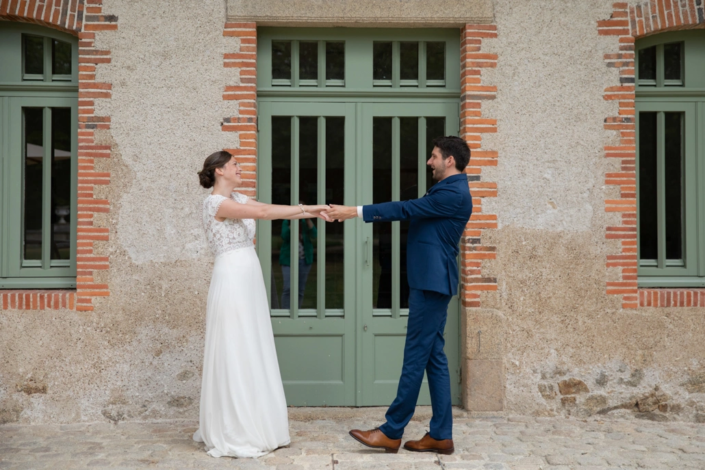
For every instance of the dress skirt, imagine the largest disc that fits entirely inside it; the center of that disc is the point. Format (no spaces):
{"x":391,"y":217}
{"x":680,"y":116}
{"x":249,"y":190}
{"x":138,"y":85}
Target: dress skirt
{"x":243,"y":409}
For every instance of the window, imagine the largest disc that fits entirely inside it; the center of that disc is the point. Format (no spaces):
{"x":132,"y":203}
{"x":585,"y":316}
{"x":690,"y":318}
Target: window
{"x":670,"y":110}
{"x":38,"y":148}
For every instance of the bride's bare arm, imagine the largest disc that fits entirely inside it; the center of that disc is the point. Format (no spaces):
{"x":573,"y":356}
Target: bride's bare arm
{"x":230,"y":209}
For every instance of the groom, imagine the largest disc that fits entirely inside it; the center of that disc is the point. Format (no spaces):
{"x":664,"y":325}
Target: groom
{"x":437,"y":223}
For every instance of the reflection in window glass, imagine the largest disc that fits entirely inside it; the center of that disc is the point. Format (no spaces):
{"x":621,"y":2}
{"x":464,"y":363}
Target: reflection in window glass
{"x":672,"y":58}
{"x":647,"y":63}
{"x":435,"y":127}
{"x":307,"y":243}
{"x":335,"y":193}
{"x":281,"y":60}
{"x":382,"y":61}
{"x":33,"y":54}
{"x":648,"y":221}
{"x":281,"y":194}
{"x":61,"y":58}
{"x":335,"y":61}
{"x":674,"y":185}
{"x":409,"y":60}
{"x":61,"y":183}
{"x":308,"y":60}
{"x":408,"y":184}
{"x":382,"y":232}
{"x":435,"y":60}
{"x":33,"y":170}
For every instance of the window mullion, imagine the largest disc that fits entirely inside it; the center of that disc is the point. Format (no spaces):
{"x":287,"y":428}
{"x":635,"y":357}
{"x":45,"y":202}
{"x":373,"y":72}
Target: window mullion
{"x":396,"y":64}
{"x":294,"y":224}
{"x":321,"y":64}
{"x":660,"y":69}
{"x":396,"y":228}
{"x":46,"y":190}
{"x":421,"y":179}
{"x":47,"y":59}
{"x":294,"y":63}
{"x":321,"y":239}
{"x":422,"y":64}
{"x":700,"y":172}
{"x":661,"y":187}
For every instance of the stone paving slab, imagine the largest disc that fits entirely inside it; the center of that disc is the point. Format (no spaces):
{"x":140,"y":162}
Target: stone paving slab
{"x":320,"y":441}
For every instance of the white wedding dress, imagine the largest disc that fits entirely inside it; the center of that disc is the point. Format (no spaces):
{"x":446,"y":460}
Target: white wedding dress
{"x":243,"y":409}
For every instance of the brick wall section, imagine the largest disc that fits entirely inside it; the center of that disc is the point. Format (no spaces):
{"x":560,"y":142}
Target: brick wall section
{"x":84,"y":18}
{"x":473,"y":124}
{"x":245,"y":93}
{"x":627,"y":23}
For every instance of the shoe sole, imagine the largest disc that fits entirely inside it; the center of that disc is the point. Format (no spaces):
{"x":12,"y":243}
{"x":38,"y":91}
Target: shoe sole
{"x":438,"y":451}
{"x":388,"y":450}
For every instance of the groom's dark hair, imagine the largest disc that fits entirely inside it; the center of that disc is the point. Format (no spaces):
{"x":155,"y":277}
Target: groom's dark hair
{"x":455,"y":146}
{"x":215,"y":160}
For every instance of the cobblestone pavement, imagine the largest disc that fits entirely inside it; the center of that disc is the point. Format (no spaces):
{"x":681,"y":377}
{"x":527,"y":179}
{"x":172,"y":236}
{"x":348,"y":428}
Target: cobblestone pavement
{"x":320,"y":441}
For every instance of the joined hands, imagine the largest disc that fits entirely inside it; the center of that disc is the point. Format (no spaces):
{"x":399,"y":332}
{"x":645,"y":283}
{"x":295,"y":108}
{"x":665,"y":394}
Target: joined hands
{"x":341,"y":213}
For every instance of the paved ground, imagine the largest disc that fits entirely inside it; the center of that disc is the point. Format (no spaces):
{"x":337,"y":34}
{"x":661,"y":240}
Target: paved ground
{"x":320,"y":441}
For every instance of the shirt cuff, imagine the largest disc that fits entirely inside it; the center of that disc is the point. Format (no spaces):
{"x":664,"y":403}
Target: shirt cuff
{"x":359,"y":211}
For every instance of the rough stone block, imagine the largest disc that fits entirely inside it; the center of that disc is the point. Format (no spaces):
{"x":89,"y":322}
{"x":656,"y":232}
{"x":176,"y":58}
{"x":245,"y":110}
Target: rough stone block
{"x":485,"y":385}
{"x":572,"y":387}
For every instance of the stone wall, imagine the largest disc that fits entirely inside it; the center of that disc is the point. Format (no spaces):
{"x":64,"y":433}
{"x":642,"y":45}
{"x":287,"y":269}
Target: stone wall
{"x":548,"y":341}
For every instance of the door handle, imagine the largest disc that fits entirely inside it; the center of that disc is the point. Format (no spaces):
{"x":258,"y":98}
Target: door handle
{"x":367,"y":248}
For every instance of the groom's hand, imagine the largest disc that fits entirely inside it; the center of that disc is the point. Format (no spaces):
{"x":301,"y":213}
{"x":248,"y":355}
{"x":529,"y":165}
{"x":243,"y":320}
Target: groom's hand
{"x":341,"y":213}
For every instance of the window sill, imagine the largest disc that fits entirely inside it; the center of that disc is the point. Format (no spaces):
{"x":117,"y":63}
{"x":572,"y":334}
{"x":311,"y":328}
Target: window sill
{"x":37,"y":299}
{"x":671,"y":297}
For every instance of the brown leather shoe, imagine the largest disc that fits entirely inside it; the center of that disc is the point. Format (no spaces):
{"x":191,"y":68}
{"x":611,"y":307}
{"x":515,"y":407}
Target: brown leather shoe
{"x":376,"y":438}
{"x":429,"y":444}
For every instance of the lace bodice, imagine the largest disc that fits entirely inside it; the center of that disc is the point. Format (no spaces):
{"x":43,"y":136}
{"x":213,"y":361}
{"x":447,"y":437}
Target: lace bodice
{"x":231,"y":234}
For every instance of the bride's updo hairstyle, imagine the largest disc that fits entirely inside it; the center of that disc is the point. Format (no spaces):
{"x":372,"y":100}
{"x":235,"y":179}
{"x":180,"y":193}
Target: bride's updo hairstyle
{"x":214,"y":160}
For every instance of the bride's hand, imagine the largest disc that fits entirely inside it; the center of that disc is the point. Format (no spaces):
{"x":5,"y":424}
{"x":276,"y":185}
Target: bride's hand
{"x":319,"y":211}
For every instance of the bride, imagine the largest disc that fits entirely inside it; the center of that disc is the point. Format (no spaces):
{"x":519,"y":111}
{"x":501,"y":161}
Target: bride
{"x":243,"y":410}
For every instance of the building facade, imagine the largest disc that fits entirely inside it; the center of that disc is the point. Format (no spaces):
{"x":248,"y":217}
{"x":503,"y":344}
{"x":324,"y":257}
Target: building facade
{"x":582,"y":266}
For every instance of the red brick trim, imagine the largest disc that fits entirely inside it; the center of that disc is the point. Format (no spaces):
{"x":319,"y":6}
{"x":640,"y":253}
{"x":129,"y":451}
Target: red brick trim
{"x":244,"y":59}
{"x":473,"y":124}
{"x":629,"y":22}
{"x":671,"y":297}
{"x":68,"y":15}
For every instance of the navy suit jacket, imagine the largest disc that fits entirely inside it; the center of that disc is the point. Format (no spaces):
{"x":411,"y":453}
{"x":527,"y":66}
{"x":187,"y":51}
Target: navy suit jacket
{"x":437,"y":221}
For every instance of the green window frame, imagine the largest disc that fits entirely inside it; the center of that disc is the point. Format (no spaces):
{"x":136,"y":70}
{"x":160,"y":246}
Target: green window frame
{"x":38,"y":157}
{"x":670,"y":164}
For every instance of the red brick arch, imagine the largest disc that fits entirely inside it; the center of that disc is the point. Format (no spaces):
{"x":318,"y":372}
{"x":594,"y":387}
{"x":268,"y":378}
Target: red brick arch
{"x":629,"y":22}
{"x":84,"y":19}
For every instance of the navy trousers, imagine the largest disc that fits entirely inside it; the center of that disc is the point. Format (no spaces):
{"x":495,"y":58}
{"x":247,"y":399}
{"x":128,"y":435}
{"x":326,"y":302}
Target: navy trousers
{"x":423,"y":351}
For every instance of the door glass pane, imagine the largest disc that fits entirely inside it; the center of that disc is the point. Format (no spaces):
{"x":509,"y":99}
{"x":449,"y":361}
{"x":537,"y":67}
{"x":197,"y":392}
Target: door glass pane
{"x":61,"y":58}
{"x":408,"y":184}
{"x":281,"y":194}
{"x":648,"y":222}
{"x":672,"y":61}
{"x":382,"y":232}
{"x":33,"y":54}
{"x":647,"y":63}
{"x":382,"y":61}
{"x":306,"y":245}
{"x":435,"y":61}
{"x":335,"y":193}
{"x":281,"y":60}
{"x":33,"y":170}
{"x":674,"y":185}
{"x":308,"y":60}
{"x":335,"y":61}
{"x":435,"y":127}
{"x":409,"y":60}
{"x":61,"y":183}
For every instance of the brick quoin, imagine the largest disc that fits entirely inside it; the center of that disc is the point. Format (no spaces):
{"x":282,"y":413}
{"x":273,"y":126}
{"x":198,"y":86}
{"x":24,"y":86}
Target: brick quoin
{"x":244,"y":124}
{"x":473,"y":125}
{"x":83,"y":19}
{"x":629,"y":22}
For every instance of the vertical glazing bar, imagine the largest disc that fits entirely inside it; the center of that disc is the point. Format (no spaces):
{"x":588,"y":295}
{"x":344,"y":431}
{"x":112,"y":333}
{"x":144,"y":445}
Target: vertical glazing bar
{"x":422,"y":64}
{"x":661,"y":186}
{"x":659,"y":66}
{"x":638,"y":188}
{"x":321,"y":241}
{"x":74,"y":182}
{"x":294,"y":64}
{"x":396,"y":238}
{"x":47,"y":59}
{"x":700,"y":168}
{"x":46,"y":191}
{"x":396,"y":64}
{"x":422,"y":157}
{"x":294,"y":224}
{"x":321,"y":66}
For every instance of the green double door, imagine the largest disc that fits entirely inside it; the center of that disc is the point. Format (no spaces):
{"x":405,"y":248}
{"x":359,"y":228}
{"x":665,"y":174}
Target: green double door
{"x":338,"y":291}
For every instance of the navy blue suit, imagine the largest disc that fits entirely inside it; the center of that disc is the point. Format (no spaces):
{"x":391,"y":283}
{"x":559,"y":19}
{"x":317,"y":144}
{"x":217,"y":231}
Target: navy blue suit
{"x":437,"y":221}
